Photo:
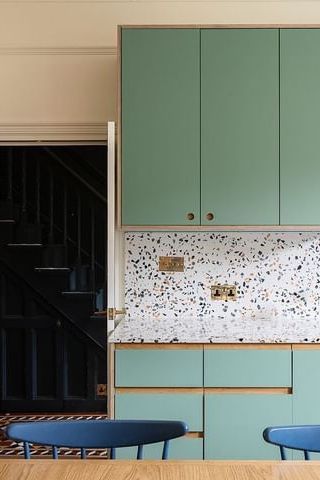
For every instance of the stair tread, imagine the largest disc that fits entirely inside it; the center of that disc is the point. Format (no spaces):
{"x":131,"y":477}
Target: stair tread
{"x":24,"y":244}
{"x":52,"y":269}
{"x":7,"y":220}
{"x":78,"y":293}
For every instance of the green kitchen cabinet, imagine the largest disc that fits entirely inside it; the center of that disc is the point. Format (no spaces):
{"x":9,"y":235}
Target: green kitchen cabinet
{"x":164,"y":406}
{"x":306,"y":390}
{"x":240,"y":126}
{"x":234,"y":424}
{"x":180,"y":449}
{"x":160,"y":118}
{"x":200,"y":126}
{"x":159,"y":368}
{"x":306,"y":387}
{"x":247,"y":368}
{"x":299,"y":126}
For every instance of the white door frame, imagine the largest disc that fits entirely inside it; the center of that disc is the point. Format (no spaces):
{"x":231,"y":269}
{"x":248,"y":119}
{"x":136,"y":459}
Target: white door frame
{"x":111,"y":207}
{"x":114,"y":262}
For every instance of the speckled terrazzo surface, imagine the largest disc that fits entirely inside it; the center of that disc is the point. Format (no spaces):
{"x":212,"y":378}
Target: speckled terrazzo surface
{"x":210,"y":330}
{"x":277,"y":277}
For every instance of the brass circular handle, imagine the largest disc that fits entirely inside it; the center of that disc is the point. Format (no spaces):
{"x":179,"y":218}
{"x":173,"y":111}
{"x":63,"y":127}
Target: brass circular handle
{"x":210,"y":216}
{"x":190,"y":216}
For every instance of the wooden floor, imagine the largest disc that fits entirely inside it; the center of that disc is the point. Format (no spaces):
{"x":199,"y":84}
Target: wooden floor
{"x":12,"y":449}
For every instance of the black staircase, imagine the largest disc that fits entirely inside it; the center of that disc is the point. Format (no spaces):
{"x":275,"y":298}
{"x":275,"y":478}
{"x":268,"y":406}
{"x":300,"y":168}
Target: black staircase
{"x":53,"y":278}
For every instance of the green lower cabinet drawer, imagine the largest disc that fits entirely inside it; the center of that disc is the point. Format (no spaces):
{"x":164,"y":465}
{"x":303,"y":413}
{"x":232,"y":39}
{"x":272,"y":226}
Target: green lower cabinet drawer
{"x":234,"y":424}
{"x":247,"y":368}
{"x":306,"y":391}
{"x":185,"y":407}
{"x":161,"y":406}
{"x":306,"y":387}
{"x":159,"y":368}
{"x":179,"y":449}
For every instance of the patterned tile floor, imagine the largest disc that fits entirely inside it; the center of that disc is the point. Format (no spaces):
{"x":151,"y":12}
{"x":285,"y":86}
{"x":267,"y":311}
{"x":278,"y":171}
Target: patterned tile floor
{"x":12,"y":449}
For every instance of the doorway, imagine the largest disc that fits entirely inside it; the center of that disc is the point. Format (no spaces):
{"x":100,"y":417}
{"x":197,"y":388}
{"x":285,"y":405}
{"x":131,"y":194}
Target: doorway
{"x":53,"y":279}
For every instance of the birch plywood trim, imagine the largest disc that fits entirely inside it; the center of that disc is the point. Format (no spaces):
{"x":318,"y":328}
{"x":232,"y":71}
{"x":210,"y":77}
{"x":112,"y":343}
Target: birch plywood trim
{"x":303,"y":346}
{"x":221,"y":228}
{"x":163,"y":346}
{"x":249,"y":390}
{"x":247,"y":346}
{"x":157,"y":390}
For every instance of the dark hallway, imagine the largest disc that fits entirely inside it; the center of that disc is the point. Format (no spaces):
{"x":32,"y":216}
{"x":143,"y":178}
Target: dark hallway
{"x":53,"y":279}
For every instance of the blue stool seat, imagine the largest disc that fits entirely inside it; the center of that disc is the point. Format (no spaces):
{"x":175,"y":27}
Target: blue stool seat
{"x":85,"y":434}
{"x":299,"y":437}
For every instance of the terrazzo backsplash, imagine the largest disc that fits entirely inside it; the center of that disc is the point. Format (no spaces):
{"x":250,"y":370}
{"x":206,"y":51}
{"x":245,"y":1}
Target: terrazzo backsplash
{"x":277,"y":276}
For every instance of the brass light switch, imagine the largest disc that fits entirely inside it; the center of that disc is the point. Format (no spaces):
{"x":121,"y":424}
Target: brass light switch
{"x":171,"y":264}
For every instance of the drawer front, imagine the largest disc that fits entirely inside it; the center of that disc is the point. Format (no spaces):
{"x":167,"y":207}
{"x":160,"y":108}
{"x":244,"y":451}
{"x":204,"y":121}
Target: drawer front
{"x":153,"y":406}
{"x":159,"y":368}
{"x":247,"y":368}
{"x":179,"y":449}
{"x":306,"y":387}
{"x":234,"y":425}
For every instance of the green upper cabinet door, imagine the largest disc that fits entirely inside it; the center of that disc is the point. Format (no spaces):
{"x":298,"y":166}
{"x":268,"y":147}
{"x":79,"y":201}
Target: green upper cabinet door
{"x":239,"y":126}
{"x":300,"y":127}
{"x":160,"y":126}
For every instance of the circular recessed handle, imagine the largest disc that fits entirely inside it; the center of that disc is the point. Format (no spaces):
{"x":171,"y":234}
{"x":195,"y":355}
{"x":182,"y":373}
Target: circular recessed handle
{"x":210,"y":216}
{"x":190,"y":216}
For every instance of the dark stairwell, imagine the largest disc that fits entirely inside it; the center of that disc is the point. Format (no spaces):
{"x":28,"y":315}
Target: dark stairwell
{"x":52,"y":278}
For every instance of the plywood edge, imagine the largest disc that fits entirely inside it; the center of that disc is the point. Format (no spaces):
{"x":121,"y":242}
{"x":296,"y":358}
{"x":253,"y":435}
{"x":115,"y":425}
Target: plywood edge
{"x":220,"y":228}
{"x":223,"y":25}
{"x":305,"y":346}
{"x":159,"y":346}
{"x":247,"y":346}
{"x":201,"y":346}
{"x":159,"y":390}
{"x":249,"y":390}
{"x":194,"y":435}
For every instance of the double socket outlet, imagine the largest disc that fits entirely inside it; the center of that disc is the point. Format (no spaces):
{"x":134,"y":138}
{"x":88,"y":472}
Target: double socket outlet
{"x":224,"y":292}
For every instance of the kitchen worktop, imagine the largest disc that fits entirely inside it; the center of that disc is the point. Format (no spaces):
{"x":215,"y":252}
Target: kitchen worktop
{"x":217,"y":330}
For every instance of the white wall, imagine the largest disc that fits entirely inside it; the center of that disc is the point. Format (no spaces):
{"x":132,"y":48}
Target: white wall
{"x":58,"y":57}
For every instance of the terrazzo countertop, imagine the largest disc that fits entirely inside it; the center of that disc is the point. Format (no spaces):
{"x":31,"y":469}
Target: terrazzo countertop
{"x":217,"y":330}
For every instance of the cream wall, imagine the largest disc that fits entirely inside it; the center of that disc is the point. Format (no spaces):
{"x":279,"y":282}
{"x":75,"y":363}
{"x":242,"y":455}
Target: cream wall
{"x":58,"y":57}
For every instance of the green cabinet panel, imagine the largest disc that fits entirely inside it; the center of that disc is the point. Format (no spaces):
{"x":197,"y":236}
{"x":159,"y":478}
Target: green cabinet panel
{"x":306,"y":386}
{"x":234,"y":425}
{"x":299,"y":126}
{"x":160,"y":126}
{"x":159,"y":368}
{"x":306,"y":390}
{"x":239,"y":126}
{"x":247,"y":368}
{"x":180,"y":449}
{"x":162,"y":406}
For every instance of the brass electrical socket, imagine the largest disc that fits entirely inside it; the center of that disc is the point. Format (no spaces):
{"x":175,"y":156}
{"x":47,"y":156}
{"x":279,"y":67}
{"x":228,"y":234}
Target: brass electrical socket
{"x":101,"y":390}
{"x":224,"y":292}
